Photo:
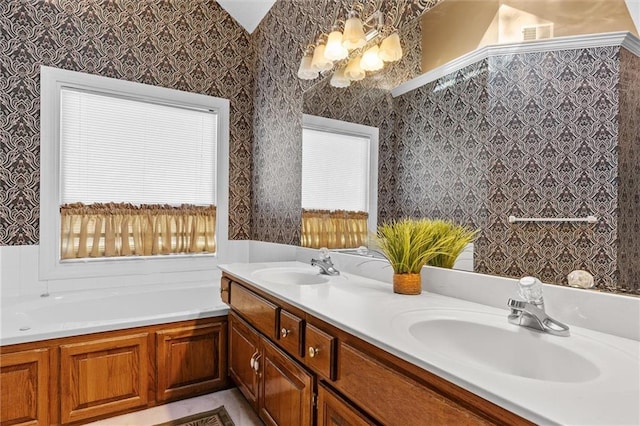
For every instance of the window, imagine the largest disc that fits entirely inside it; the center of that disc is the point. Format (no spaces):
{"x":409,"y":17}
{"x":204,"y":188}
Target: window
{"x":339,"y":182}
{"x":131,"y":173}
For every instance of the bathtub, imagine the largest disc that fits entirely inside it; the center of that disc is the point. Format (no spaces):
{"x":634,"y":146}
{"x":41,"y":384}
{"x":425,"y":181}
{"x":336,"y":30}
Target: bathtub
{"x":34,"y":318}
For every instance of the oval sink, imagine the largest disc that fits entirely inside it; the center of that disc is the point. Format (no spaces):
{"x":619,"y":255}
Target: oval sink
{"x":290,"y":276}
{"x":490,"y":342}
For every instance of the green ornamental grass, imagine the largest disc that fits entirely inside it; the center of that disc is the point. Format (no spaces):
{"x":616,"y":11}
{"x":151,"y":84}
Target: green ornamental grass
{"x":409,"y":244}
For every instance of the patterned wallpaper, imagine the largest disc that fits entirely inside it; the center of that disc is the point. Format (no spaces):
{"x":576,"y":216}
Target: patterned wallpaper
{"x":530,"y":135}
{"x":279,"y":105}
{"x":629,"y":172}
{"x":190,"y":45}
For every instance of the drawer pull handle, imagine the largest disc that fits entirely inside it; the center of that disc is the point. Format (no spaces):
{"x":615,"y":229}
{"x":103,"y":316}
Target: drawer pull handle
{"x":256,"y":365}
{"x":284,"y":332}
{"x":313,"y":351}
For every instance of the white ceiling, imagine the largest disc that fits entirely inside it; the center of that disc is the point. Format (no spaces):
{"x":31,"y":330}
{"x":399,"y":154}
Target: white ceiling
{"x":247,"y":13}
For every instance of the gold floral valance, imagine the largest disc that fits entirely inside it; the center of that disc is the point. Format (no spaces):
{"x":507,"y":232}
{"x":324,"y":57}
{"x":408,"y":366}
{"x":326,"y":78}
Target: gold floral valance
{"x":334,"y":229}
{"x":120,"y":229}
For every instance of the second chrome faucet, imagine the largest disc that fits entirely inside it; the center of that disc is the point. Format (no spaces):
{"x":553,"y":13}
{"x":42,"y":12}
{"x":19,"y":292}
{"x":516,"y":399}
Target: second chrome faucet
{"x":530,"y":311}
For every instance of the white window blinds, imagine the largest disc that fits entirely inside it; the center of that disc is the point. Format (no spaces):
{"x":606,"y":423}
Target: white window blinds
{"x":122,"y":150}
{"x":335,"y":171}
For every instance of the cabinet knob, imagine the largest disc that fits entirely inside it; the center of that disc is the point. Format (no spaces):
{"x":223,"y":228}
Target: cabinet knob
{"x":284,"y":332}
{"x":313,"y":351}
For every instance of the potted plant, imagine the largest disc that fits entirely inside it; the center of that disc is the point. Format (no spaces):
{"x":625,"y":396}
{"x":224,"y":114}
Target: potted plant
{"x":409,"y":244}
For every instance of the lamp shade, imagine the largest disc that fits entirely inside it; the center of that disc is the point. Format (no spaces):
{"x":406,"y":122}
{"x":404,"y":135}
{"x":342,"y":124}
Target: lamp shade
{"x":353,"y":71}
{"x":306,"y":72}
{"x":353,"y":36}
{"x":339,"y":79}
{"x":371,"y":60}
{"x":319,"y":62}
{"x":334,"y":51}
{"x":390,"y":48}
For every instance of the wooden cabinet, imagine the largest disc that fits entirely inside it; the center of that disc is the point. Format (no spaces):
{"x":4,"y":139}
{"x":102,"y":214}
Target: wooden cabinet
{"x":357,"y":382}
{"x":333,"y":410}
{"x":244,"y":347}
{"x":103,"y":376}
{"x":286,"y":389}
{"x":190,"y":360}
{"x":278,"y":388}
{"x":24,"y":388}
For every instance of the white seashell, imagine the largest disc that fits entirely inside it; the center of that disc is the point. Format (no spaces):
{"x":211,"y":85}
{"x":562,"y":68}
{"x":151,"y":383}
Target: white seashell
{"x":581,"y":279}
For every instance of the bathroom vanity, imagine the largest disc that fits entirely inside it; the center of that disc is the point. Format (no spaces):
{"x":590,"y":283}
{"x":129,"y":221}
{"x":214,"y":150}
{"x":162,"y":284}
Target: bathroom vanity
{"x":346,"y":350}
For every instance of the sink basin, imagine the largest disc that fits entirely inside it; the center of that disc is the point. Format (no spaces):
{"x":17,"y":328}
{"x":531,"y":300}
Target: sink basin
{"x":489,"y":342}
{"x":291,"y":276}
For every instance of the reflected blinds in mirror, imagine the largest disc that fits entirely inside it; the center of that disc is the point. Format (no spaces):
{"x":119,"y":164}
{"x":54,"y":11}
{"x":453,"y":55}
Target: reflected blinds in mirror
{"x":335,"y":188}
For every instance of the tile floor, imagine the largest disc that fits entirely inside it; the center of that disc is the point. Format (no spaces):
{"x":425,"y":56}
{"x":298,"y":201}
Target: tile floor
{"x":232,"y":399}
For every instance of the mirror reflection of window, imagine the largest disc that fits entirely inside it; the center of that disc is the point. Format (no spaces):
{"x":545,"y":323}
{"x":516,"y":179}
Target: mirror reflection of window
{"x":339,"y":183}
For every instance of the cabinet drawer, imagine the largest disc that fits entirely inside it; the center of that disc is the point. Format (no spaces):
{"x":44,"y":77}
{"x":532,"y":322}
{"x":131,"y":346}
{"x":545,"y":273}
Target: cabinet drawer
{"x":260,"y":313}
{"x":291,"y":328}
{"x":393,"y":398}
{"x":320,"y":351}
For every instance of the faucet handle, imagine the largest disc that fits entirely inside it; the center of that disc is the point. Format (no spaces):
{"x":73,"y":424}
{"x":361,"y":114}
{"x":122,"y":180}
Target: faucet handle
{"x":530,"y":289}
{"x":324,"y":253}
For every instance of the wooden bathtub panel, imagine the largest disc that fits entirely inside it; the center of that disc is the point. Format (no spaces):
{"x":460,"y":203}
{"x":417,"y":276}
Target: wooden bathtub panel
{"x":103,"y":376}
{"x":24,"y":388}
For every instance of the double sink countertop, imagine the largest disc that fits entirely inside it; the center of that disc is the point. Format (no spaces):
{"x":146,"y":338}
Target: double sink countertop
{"x":587,"y":378}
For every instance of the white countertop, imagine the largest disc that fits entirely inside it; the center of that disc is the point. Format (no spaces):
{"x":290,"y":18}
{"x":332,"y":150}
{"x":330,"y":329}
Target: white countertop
{"x":369,"y":309}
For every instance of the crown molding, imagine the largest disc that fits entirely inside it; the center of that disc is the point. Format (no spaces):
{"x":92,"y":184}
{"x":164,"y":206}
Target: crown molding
{"x":623,"y":38}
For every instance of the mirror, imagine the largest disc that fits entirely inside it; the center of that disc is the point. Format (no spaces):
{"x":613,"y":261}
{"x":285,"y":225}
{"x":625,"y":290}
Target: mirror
{"x":528,"y":134}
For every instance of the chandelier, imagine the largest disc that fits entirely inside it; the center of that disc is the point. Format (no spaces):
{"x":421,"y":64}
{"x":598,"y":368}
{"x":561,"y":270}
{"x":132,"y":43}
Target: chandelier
{"x":352,"y":47}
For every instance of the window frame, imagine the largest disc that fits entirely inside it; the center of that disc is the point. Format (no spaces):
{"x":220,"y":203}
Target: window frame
{"x":50,"y":265}
{"x":324,"y":124}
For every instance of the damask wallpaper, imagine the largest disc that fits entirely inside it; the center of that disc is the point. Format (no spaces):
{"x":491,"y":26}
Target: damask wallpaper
{"x":191,"y":45}
{"x":629,"y":172}
{"x":530,"y":135}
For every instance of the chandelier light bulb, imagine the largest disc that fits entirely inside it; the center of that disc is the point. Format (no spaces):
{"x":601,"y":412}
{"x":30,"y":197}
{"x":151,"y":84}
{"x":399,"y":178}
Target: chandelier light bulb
{"x":390,"y":48}
{"x":334,"y":51}
{"x":339,"y":79}
{"x":319,"y":62}
{"x":353,"y":36}
{"x":371,"y":60}
{"x":353,"y":71}
{"x":306,"y":72}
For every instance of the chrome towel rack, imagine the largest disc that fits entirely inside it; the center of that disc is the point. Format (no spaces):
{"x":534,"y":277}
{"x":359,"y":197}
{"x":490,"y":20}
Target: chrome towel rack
{"x":588,"y":219}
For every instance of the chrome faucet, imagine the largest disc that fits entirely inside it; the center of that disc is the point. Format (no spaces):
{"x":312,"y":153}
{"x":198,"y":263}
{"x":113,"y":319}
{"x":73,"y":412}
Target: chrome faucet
{"x":530,"y":311}
{"x":324,"y":263}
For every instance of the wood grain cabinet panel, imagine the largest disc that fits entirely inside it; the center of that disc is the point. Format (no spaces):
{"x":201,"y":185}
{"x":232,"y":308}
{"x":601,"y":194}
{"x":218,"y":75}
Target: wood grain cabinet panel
{"x":191,"y":360}
{"x":335,"y":411}
{"x":393,"y":398}
{"x":286,"y":396}
{"x":321,"y":349}
{"x":225,"y":290}
{"x":244,"y":347}
{"x":103,"y":376}
{"x":24,"y":388}
{"x":291,"y":333}
{"x":261,"y":313}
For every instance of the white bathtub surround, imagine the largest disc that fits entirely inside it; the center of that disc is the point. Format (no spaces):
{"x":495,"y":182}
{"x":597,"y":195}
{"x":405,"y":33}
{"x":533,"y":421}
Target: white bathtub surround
{"x":62,"y":314}
{"x":595,"y":380}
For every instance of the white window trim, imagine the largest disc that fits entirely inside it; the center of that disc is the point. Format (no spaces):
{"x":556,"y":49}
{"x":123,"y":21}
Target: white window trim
{"x":354,"y":129}
{"x":50,"y":267}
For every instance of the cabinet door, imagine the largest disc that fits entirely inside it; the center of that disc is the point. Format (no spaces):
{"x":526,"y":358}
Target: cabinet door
{"x":244,"y":345}
{"x":335,"y":411}
{"x":191,"y":360}
{"x":286,"y":396}
{"x":103,"y":376}
{"x":24,"y":388}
